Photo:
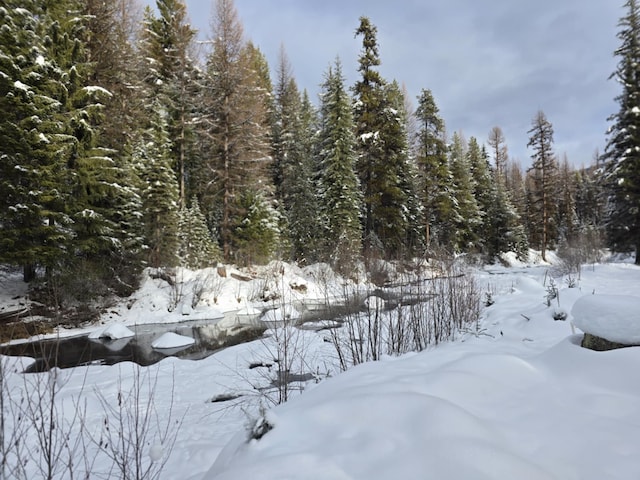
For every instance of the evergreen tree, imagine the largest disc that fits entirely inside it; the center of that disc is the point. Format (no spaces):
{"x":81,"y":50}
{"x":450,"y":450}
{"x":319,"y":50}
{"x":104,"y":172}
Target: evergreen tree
{"x":623,"y":146}
{"x":292,"y":140}
{"x":340,"y":195}
{"x":383,"y":154}
{"x":159,"y":191}
{"x":170,"y":77}
{"x":543,"y":186}
{"x":467,"y":217}
{"x":62,"y":195}
{"x":515,"y":188}
{"x":507,"y":233}
{"x":394,"y":205}
{"x":111,"y":28}
{"x":257,"y":235}
{"x":483,"y":190}
{"x":34,"y":222}
{"x":435,"y":176}
{"x":566,"y":216}
{"x":197,"y":249}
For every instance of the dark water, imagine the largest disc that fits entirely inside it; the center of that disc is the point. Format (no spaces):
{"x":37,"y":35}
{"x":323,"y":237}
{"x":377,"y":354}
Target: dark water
{"x":80,"y":350}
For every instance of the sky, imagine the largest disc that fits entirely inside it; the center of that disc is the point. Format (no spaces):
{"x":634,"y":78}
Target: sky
{"x":487,"y":62}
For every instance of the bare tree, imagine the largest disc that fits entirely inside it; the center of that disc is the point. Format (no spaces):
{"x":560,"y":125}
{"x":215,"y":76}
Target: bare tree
{"x":500,"y":153}
{"x":235,"y":101}
{"x":544,"y":180}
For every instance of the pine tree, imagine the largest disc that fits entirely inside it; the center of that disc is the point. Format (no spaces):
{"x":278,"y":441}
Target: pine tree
{"x":292,"y":144}
{"x":543,"y":186}
{"x":435,"y":176}
{"x":197,"y":249}
{"x":368,"y":113}
{"x":34,"y":224}
{"x":159,"y":191}
{"x":257,"y":235}
{"x":467,"y":217}
{"x":171,"y":79}
{"x":62,"y":194}
{"x":622,"y":154}
{"x":340,"y":195}
{"x":111,"y":28}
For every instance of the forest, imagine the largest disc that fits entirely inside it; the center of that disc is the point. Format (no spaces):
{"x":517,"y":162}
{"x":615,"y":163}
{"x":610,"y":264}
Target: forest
{"x":124,"y":144}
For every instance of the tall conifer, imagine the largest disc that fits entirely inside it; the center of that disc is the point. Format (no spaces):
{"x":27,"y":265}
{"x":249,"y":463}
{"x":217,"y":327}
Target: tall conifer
{"x":340,"y":195}
{"x":623,"y":147}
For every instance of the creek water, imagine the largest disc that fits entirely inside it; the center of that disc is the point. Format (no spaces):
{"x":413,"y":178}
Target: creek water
{"x":79,"y":350}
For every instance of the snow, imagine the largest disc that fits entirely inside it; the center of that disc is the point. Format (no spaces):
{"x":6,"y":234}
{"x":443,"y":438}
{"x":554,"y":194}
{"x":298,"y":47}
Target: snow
{"x":613,"y":317}
{"x":114,"y":331}
{"x":172,"y":340}
{"x":517,"y":397}
{"x":21,"y":86}
{"x":97,"y":89}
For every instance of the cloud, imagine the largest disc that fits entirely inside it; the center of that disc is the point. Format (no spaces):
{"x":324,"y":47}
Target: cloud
{"x":488,"y":62}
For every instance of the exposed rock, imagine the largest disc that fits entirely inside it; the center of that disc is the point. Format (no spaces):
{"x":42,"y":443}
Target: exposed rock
{"x":600,"y":344}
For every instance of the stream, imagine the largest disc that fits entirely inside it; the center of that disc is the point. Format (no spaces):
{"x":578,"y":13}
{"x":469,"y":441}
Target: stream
{"x":80,"y":350}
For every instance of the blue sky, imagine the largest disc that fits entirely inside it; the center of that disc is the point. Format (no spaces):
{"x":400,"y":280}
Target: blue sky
{"x":487,"y":62}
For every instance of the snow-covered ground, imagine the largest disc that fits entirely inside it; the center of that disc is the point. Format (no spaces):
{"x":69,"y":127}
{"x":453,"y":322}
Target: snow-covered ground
{"x":516,"y":398}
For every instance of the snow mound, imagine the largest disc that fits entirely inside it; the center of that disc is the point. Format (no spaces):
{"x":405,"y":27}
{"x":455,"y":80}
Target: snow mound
{"x":172,"y":340}
{"x":114,"y":331}
{"x":613,"y":317}
{"x":457,"y":416}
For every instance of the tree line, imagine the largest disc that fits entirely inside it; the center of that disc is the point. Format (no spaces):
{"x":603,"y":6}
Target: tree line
{"x":124,"y":144}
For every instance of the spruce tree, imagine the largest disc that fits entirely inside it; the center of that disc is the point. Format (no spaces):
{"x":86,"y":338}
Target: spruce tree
{"x":170,"y":78}
{"x":197,"y":249}
{"x":34,"y":222}
{"x":62,"y":195}
{"x":294,"y":125}
{"x":111,"y":29}
{"x":435,"y":176}
{"x":483,"y":190}
{"x":467,"y":217}
{"x":622,"y":153}
{"x":159,"y":191}
{"x":368,"y":115}
{"x":394,"y":203}
{"x":257,"y":235}
{"x":340,"y":195}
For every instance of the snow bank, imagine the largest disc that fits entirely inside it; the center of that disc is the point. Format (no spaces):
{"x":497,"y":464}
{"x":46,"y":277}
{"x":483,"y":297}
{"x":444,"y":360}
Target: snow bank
{"x":456,"y":416}
{"x":172,"y":340}
{"x":613,"y":317}
{"x":115,"y":331}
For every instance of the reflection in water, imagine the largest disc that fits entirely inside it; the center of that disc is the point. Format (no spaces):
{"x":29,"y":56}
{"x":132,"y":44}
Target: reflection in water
{"x":80,"y":350}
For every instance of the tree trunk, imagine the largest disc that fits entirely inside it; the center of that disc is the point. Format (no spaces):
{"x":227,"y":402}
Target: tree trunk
{"x":28,"y":272}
